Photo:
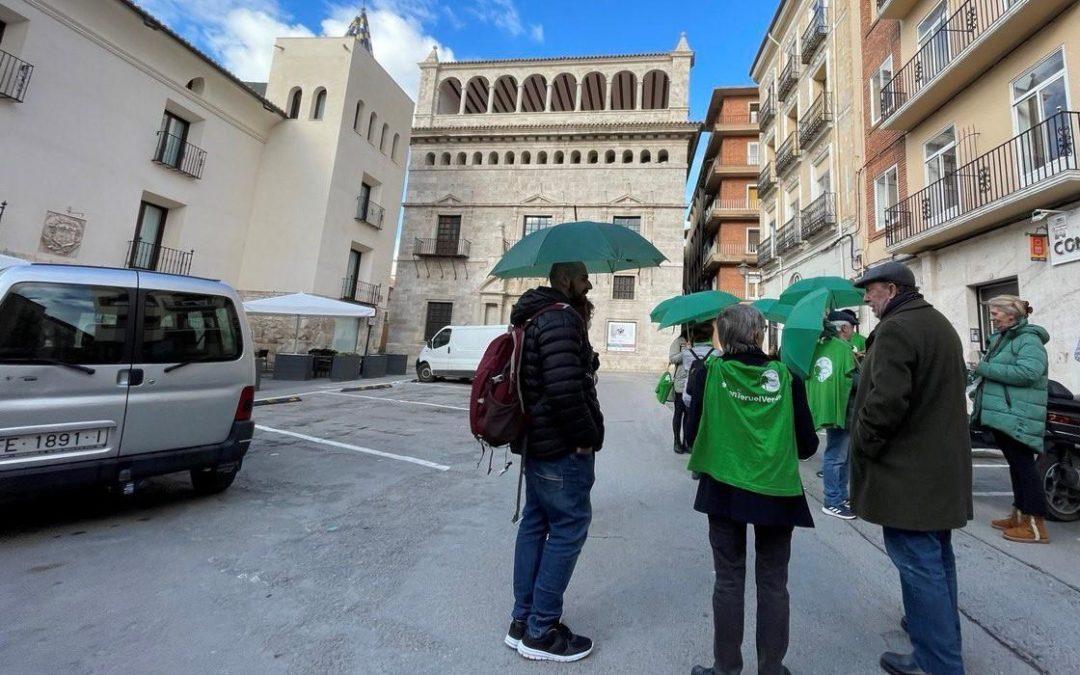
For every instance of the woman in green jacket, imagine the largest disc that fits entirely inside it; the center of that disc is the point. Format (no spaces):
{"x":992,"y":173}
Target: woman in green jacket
{"x":1011,"y":402}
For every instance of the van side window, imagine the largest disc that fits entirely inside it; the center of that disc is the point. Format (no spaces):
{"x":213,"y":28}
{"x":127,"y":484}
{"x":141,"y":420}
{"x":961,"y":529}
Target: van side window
{"x":180,"y":327}
{"x":441,"y":340}
{"x":86,"y":325}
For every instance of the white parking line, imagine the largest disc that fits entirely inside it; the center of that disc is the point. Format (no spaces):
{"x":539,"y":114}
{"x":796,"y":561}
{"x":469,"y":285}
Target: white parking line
{"x":299,"y":393}
{"x":354,"y":448}
{"x":990,"y":466}
{"x":393,"y":400}
{"x":991,"y":494}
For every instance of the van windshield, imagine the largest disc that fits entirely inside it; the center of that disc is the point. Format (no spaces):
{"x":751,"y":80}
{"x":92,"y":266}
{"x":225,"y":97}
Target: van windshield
{"x":441,"y":340}
{"x":64,"y":323}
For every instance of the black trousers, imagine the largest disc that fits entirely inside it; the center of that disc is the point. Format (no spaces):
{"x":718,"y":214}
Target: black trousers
{"x":1026,"y":484}
{"x":773,"y":548}
{"x":677,"y":420}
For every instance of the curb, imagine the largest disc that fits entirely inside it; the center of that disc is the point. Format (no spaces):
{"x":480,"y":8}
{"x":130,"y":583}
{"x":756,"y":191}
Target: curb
{"x":279,"y":399}
{"x":366,"y":387}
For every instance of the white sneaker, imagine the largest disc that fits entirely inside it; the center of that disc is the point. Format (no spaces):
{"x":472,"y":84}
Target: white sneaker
{"x":842,"y":512}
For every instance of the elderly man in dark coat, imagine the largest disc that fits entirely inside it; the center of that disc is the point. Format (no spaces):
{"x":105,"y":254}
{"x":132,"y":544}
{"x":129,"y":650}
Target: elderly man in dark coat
{"x":911,"y":460}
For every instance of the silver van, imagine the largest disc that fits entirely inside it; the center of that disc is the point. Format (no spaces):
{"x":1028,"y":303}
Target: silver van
{"x":113,"y":375}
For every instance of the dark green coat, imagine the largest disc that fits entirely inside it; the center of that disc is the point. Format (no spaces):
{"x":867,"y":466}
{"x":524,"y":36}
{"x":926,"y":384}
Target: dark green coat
{"x":1012,"y":396}
{"x":911,"y":453}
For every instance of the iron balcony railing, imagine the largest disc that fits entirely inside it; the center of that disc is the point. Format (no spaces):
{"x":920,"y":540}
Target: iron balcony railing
{"x":177,"y":154}
{"x":145,"y":255}
{"x":814,"y":35}
{"x":789,"y":77}
{"x":14,"y":76}
{"x":966,"y":25}
{"x":819,"y":216}
{"x":789,"y":236}
{"x":815,"y":121}
{"x":442,"y":248}
{"x":354,"y":290}
{"x":766,"y":181}
{"x":719,"y":207}
{"x":767,"y":112}
{"x":765,"y":253}
{"x":369,"y":212}
{"x":734,"y":118}
{"x":787,"y":155}
{"x":1024,"y":161}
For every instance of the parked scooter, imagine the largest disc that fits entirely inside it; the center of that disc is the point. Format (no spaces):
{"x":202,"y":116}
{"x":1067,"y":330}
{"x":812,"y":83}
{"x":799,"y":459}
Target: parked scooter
{"x":1059,"y":463}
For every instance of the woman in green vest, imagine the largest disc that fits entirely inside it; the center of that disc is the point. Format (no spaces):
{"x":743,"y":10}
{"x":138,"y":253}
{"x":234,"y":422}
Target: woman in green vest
{"x":1011,"y":402}
{"x":751,"y":427}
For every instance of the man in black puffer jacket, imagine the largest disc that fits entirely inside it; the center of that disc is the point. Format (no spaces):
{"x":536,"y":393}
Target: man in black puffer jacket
{"x":564,"y":430}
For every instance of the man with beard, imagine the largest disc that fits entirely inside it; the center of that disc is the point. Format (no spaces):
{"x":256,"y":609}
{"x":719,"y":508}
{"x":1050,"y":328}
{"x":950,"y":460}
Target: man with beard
{"x":564,"y":430}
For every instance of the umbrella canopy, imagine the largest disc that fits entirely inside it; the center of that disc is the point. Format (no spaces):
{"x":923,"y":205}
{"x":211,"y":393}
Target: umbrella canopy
{"x":801,"y":331}
{"x":773,"y":309}
{"x":658,"y":312}
{"x":602,"y":247}
{"x":696,"y":307}
{"x":302,"y":304}
{"x":842,"y":293}
{"x":11,"y":261}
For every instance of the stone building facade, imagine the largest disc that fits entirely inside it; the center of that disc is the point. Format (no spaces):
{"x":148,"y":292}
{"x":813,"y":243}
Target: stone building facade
{"x":501,"y":148}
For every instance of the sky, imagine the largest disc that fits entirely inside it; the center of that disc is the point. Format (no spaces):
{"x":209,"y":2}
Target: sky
{"x":725,"y":34}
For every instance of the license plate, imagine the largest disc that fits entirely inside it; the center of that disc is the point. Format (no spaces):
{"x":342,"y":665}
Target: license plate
{"x":53,"y":441}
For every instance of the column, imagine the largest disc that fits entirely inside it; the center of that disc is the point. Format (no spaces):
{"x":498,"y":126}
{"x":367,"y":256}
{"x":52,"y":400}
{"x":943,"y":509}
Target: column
{"x":639,"y":102}
{"x":520,"y":92}
{"x":464,"y":98}
{"x":577,"y":97}
{"x":547,"y":97}
{"x":491,"y":96}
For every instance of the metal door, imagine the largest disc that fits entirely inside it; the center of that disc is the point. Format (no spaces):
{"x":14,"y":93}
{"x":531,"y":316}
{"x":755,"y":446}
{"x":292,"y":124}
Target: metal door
{"x":448,"y":235}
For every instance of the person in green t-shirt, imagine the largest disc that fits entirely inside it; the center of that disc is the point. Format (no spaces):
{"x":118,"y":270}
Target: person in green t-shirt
{"x":851,"y":332}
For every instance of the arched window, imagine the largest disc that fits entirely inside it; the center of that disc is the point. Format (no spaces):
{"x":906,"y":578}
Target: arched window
{"x":478,"y":158}
{"x":534,"y":94}
{"x":559,"y":156}
{"x":526,"y":157}
{"x":358,"y":117}
{"x":541,"y":157}
{"x":593,"y":92}
{"x":563,"y":92}
{"x":476,"y":96}
{"x":196,"y":84}
{"x":508,"y":158}
{"x":294,"y":103}
{"x":372,"y":122}
{"x":493,"y":157}
{"x":449,"y":97}
{"x":444,"y":159}
{"x":575,"y":157}
{"x":318,"y":108}
{"x":646,"y":157}
{"x":505,"y":95}
{"x":429,"y":159}
{"x":609,"y":157}
{"x":594,"y":157}
{"x":394,"y":147}
{"x":654,"y":90}
{"x":623,"y":90}
{"x":661,"y":157}
{"x":460,"y":159}
{"x":382,"y":137}
{"x":627,"y":156}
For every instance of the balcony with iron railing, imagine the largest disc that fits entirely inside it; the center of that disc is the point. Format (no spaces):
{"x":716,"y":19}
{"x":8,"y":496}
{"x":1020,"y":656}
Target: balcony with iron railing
{"x":819,"y":217}
{"x":442,"y":248}
{"x":789,"y":78}
{"x":369,"y":212}
{"x":1034,"y":169}
{"x":894,"y":9}
{"x":971,"y":40}
{"x":815,"y":121}
{"x":765,"y":253}
{"x":718,"y":170}
{"x":174,"y":152}
{"x":146,"y":255}
{"x":766,"y":181}
{"x":787,"y":155}
{"x":789,"y":236}
{"x":767,"y":112}
{"x":354,"y":290}
{"x":730,"y":253}
{"x":740,"y":122}
{"x":14,"y":77}
{"x":814,"y":35}
{"x":731,"y":209}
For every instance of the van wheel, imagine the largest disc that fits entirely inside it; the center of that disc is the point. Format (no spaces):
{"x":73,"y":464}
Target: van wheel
{"x":1061,"y":485}
{"x":424,"y":374}
{"x":210,"y":480}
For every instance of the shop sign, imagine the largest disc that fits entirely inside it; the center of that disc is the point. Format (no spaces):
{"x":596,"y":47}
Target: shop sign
{"x":1037,"y":244}
{"x":1064,"y":232}
{"x":621,"y":336}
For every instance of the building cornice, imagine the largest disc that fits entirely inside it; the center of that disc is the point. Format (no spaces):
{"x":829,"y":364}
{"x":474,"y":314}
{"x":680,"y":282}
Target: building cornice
{"x":605,"y":129}
{"x":450,"y":65}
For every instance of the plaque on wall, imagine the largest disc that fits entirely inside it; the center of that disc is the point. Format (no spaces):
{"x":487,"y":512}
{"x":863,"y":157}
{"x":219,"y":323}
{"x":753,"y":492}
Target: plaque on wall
{"x":62,"y":234}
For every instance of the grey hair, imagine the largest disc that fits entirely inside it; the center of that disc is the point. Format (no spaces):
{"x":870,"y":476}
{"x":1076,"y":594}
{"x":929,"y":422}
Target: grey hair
{"x":740,"y":328}
{"x":563,"y":269}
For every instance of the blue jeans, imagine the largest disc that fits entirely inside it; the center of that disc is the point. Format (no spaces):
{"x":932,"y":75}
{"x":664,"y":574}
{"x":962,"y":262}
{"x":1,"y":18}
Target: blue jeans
{"x":553,"y":528}
{"x":834,"y":466}
{"x":928,"y":581}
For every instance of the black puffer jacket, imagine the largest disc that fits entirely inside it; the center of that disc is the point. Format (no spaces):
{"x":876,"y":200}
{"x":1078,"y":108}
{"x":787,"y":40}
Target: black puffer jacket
{"x":557,"y":378}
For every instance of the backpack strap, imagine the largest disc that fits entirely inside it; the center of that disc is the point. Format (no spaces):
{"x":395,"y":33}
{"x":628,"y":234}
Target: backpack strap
{"x":709,"y":353}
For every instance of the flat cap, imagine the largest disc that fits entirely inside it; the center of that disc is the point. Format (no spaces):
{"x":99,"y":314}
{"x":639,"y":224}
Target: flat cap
{"x":890,"y":272}
{"x":845,"y":315}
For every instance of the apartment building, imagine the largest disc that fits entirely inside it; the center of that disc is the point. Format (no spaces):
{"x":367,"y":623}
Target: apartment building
{"x":722,"y":241}
{"x":811,"y":140}
{"x":983,"y":194}
{"x":502,"y":148}
{"x":123,"y":145}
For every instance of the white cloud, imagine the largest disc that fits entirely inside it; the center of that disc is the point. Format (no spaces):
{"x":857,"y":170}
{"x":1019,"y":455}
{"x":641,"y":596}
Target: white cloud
{"x":502,"y":14}
{"x":245,"y":41}
{"x":537,"y":32}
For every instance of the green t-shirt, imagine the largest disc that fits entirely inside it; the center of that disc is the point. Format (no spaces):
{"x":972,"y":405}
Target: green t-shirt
{"x":858,"y":342}
{"x":746,"y":437}
{"x":829,"y":384}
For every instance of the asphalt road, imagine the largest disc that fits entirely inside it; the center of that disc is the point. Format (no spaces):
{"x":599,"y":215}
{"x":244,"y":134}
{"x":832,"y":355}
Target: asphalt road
{"x":361,"y":537}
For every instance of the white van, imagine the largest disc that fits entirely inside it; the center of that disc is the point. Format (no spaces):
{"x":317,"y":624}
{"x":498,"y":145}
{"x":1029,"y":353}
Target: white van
{"x":112,"y":375}
{"x":455,"y":351}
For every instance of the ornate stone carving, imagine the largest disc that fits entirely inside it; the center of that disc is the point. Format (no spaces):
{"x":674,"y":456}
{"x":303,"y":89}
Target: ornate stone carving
{"x":62,"y":234}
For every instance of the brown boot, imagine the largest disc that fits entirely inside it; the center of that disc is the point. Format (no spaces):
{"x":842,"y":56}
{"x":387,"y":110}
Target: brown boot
{"x":1007,"y":523}
{"x":1032,"y":530}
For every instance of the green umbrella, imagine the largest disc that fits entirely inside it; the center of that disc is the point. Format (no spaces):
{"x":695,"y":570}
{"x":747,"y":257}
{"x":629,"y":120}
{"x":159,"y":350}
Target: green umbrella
{"x":802,"y":329}
{"x":773,"y":309}
{"x":696,"y":307}
{"x":658,"y":312}
{"x":842,"y":293}
{"x":602,"y":247}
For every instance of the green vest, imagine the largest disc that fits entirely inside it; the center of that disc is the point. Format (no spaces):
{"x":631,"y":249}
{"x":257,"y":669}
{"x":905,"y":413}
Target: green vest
{"x":829,"y":385}
{"x":858,"y":342}
{"x":746,"y":437}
